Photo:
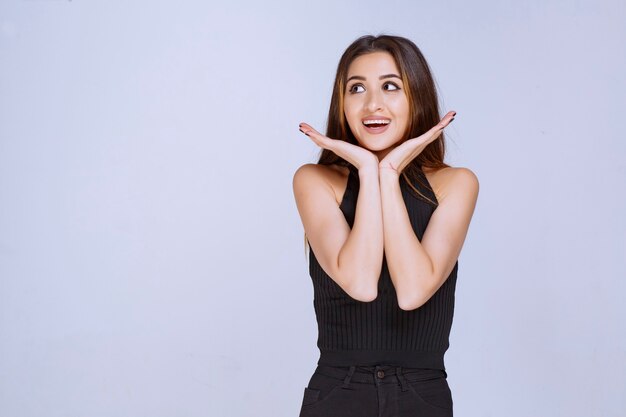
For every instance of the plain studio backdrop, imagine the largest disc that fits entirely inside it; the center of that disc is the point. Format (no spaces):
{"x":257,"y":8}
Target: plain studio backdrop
{"x":151,"y":254}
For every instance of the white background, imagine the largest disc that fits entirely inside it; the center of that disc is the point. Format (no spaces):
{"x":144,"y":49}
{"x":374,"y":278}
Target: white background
{"x":151,"y":254}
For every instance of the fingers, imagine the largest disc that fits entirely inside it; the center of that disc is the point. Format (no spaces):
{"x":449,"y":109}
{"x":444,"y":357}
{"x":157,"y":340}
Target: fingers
{"x":303,"y":127}
{"x":307,"y":129}
{"x":447,"y":119}
{"x":316,"y":136}
{"x":438,"y":128}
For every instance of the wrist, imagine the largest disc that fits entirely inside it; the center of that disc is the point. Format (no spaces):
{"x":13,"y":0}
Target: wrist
{"x":388,"y":172}
{"x":368,"y":171}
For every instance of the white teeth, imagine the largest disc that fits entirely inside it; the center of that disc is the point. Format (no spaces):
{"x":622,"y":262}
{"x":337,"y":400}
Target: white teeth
{"x":377,"y":122}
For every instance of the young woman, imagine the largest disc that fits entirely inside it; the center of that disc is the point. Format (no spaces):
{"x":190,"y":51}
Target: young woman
{"x":385,"y":219}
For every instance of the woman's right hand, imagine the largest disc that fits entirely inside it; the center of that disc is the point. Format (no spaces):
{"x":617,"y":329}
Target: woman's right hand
{"x":356,"y":155}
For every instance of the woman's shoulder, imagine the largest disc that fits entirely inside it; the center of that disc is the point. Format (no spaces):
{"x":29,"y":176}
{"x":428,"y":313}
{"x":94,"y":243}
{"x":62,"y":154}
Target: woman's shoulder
{"x":333,"y":176}
{"x":444,"y":180}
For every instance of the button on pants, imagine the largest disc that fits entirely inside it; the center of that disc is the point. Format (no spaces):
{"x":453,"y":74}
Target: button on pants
{"x":377,"y":391}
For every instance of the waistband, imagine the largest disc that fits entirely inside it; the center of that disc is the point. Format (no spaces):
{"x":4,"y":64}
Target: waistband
{"x":378,"y":373}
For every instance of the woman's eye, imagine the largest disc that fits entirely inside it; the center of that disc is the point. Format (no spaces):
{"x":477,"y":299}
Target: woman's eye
{"x":395,"y":87}
{"x":354,"y":87}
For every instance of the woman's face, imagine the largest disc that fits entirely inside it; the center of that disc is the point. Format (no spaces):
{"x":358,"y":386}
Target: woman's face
{"x":374,"y":92}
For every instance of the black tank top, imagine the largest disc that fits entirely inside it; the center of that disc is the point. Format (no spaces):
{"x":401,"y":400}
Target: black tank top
{"x":352,"y":332}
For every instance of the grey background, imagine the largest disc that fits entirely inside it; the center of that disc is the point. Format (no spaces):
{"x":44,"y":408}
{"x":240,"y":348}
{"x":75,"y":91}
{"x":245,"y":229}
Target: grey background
{"x":151,"y":254}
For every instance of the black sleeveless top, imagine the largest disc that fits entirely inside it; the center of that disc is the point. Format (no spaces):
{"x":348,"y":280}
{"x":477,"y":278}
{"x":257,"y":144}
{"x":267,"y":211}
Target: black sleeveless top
{"x":352,"y":332}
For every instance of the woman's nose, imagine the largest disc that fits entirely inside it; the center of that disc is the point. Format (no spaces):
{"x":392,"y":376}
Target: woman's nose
{"x":374,"y":101}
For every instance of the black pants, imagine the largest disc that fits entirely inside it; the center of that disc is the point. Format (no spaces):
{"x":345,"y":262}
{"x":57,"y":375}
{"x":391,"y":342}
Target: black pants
{"x":377,"y":391}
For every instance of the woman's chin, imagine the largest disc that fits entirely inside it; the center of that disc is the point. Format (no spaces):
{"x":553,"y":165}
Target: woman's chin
{"x":376,"y":143}
{"x":375,"y":147}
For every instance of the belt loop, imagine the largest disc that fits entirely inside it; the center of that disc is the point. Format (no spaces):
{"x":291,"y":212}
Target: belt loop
{"x":346,"y":382}
{"x":401,"y":378}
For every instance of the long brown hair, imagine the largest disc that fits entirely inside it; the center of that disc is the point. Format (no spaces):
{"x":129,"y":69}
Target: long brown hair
{"x":421,"y":94}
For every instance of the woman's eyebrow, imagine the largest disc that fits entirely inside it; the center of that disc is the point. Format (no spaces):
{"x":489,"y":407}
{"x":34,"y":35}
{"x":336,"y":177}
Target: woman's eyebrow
{"x":359,"y":77}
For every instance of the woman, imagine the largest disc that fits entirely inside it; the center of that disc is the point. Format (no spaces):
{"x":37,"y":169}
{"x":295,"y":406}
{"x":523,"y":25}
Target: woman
{"x":381,"y":185}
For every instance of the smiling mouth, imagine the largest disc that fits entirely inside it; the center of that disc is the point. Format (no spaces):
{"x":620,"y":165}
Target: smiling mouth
{"x":376,"y":126}
{"x":376,"y":123}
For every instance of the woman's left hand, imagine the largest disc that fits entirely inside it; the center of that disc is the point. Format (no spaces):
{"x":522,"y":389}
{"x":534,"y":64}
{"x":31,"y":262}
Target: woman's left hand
{"x":399,"y":157}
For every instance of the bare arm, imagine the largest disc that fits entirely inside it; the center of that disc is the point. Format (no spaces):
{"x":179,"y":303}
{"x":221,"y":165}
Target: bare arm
{"x":418,"y":269}
{"x":351,"y":257}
